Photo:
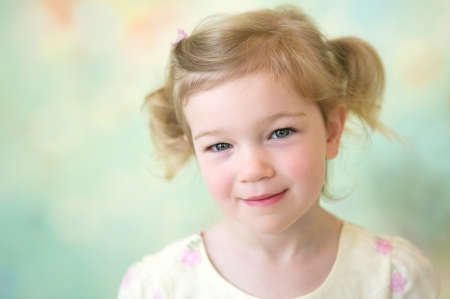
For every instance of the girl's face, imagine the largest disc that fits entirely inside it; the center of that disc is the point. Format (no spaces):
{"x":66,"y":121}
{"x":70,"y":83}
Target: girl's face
{"x":262,"y":150}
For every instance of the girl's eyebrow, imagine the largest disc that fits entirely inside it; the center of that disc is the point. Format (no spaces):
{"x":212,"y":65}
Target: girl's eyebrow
{"x":266,"y":120}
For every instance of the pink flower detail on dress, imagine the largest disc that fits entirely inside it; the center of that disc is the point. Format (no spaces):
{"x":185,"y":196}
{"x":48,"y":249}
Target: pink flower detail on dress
{"x":157,"y":295}
{"x":190,"y":258}
{"x":127,"y":278}
{"x":398,"y":283}
{"x":383,"y":246}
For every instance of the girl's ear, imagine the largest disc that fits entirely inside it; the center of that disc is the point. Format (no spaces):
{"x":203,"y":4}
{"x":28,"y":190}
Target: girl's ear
{"x":336,"y":122}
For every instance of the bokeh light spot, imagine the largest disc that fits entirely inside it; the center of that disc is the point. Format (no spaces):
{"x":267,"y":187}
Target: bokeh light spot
{"x":417,"y":62}
{"x":58,"y":129}
{"x":76,"y":220}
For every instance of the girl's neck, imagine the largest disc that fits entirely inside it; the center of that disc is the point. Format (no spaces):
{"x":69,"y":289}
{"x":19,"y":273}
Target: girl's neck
{"x":311,"y":234}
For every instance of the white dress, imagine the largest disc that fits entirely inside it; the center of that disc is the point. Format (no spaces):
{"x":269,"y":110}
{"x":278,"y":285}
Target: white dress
{"x":367,"y":266}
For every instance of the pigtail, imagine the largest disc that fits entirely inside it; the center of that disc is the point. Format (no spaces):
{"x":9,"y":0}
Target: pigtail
{"x":169,"y":141}
{"x":363,"y":79}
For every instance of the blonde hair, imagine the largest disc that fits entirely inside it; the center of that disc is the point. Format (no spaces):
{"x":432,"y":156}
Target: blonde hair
{"x":283,"y":43}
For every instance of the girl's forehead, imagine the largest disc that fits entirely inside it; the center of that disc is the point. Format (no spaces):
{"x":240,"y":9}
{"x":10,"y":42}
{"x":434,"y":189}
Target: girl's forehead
{"x":255,"y":84}
{"x":250,"y":97}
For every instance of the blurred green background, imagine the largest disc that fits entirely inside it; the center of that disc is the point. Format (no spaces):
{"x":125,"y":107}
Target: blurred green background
{"x":78,"y":199}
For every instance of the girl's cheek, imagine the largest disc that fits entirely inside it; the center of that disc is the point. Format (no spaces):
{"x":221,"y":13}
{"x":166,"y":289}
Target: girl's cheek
{"x":219,"y":181}
{"x":304,"y":165}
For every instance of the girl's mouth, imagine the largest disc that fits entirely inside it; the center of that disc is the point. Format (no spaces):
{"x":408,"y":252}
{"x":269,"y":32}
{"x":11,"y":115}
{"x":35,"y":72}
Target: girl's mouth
{"x":264,"y":200}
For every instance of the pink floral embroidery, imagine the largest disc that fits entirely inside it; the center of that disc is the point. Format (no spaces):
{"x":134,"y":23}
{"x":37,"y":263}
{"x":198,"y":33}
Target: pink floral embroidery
{"x":383,"y":246}
{"x":398,"y":283}
{"x":190,"y":258}
{"x":157,"y":295}
{"x":127,"y":278}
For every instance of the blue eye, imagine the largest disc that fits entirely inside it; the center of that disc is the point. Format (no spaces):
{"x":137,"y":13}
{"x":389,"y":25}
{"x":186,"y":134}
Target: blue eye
{"x":220,"y":147}
{"x":281,"y":133}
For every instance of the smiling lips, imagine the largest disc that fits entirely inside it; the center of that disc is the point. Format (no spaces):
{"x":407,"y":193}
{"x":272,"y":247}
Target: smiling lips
{"x":264,"y":200}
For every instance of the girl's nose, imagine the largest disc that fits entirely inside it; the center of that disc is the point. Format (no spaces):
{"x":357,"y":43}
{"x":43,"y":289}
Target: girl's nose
{"x":254,"y":165}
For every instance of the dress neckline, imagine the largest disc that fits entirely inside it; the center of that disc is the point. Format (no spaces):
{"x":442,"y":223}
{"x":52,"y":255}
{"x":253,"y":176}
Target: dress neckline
{"x":238,"y":292}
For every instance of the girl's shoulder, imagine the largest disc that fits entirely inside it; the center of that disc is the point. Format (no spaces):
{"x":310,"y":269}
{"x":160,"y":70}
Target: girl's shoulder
{"x":140,"y":280}
{"x":146,"y":278}
{"x":410,"y":270}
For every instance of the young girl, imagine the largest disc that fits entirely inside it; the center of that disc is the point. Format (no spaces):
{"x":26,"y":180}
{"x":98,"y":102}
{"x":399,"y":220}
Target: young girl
{"x":261,"y":99}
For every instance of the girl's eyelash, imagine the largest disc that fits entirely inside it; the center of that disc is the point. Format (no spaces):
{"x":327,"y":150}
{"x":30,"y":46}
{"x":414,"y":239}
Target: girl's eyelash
{"x":290,"y":130}
{"x":211,"y":148}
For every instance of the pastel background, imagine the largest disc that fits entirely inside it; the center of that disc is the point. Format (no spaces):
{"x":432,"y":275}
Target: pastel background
{"x":78,"y":200}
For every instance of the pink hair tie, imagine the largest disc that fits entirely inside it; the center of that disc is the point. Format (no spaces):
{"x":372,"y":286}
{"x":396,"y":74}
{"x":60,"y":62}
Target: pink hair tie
{"x":181,"y":35}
